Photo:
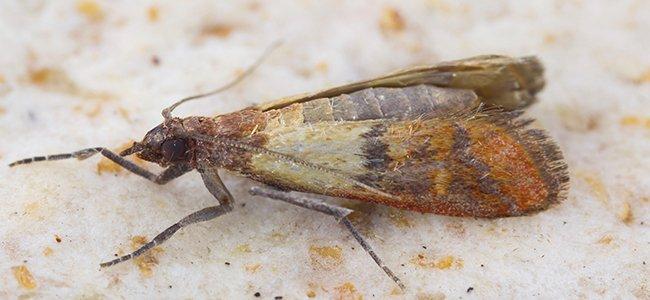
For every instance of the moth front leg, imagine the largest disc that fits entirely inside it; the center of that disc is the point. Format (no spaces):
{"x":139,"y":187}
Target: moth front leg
{"x":338,"y":212}
{"x":167,"y":175}
{"x":216,"y":187}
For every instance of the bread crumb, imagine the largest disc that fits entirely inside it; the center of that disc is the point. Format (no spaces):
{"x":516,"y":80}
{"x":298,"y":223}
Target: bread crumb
{"x":325,"y":258}
{"x":635,"y":121}
{"x":549,"y":38}
{"x":52,"y":79}
{"x":253,"y":268}
{"x":153,"y":13}
{"x":606,"y":239}
{"x":391,"y":21}
{"x":147,"y":260}
{"x":642,"y":78}
{"x":55,"y":79}
{"x":346,"y":291}
{"x":443,"y":263}
{"x":47,"y":251}
{"x":396,"y":291}
{"x":243,"y":248}
{"x":24,"y":277}
{"x":322,"y":67}
{"x":217,"y":30}
{"x":625,"y":213}
{"x":597,"y":186}
{"x":90,"y":9}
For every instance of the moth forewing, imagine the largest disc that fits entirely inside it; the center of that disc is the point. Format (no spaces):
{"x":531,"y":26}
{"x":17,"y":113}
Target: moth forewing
{"x":481,"y":164}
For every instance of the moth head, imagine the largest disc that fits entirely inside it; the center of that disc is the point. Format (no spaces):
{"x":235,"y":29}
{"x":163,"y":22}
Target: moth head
{"x":163,"y":145}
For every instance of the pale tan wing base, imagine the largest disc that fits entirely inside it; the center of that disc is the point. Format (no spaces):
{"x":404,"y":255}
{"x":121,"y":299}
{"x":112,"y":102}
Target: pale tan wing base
{"x":501,"y":81}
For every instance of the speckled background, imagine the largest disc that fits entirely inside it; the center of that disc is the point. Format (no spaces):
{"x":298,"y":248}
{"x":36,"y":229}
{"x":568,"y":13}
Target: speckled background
{"x":75,"y":74}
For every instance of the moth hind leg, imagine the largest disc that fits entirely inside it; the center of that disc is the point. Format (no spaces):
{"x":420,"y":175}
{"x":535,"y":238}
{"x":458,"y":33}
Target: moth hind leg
{"x":338,"y":212}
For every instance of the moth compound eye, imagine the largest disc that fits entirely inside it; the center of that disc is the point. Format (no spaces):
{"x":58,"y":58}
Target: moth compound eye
{"x":174,"y":149}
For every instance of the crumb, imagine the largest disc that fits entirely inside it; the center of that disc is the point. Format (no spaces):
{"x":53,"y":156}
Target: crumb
{"x":470,"y":289}
{"x":227,"y":263}
{"x":253,"y":268}
{"x":153,"y":13}
{"x":90,"y":9}
{"x":391,"y":20}
{"x":606,"y":239}
{"x":597,"y":186}
{"x":147,"y":260}
{"x":549,"y":39}
{"x":311,"y":294}
{"x":155,"y":60}
{"x":322,"y":67}
{"x":47,"y":251}
{"x":124,"y":113}
{"x":396,"y":291}
{"x":55,"y":79}
{"x":325,"y":258}
{"x":243,"y":248}
{"x":217,"y":30}
{"x":642,"y":78}
{"x":625,"y":213}
{"x":347,"y":290}
{"x":57,"y":238}
{"x":443,"y":263}
{"x":257,"y":294}
{"x":24,"y":277}
{"x":635,"y":121}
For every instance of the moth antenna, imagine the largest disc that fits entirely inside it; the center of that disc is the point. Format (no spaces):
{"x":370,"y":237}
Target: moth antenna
{"x":167,"y":112}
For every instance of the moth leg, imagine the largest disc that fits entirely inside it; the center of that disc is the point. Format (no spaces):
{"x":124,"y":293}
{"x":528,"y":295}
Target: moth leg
{"x":216,"y":187}
{"x":338,"y":212}
{"x":162,"y":178}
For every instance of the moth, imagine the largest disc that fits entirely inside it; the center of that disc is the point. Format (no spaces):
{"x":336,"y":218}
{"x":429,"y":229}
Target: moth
{"x":445,"y":139}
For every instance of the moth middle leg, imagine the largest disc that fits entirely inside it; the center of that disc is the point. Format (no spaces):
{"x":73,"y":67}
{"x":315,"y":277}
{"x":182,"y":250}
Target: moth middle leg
{"x":338,"y":212}
{"x":216,"y":187}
